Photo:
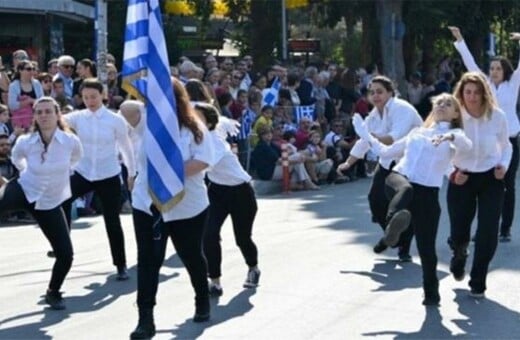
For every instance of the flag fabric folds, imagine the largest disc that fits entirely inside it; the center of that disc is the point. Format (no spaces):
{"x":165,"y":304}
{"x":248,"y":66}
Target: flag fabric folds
{"x":301,"y":111}
{"x":146,"y":75}
{"x":270,"y":95}
{"x":247,"y":122}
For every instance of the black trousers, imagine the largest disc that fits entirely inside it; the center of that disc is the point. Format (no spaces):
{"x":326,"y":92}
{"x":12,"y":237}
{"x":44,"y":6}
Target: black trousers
{"x":377,"y":199}
{"x":52,"y":223}
{"x":508,"y":208}
{"x":151,"y":235}
{"x":238,"y":201}
{"x":482,"y":194}
{"x":109,"y":192}
{"x":399,"y":193}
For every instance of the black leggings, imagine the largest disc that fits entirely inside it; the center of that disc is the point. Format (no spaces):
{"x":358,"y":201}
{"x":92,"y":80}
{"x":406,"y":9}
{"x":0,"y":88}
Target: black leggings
{"x":151,"y":235}
{"x":238,"y":201}
{"x":53,"y":224}
{"x":109,"y":192}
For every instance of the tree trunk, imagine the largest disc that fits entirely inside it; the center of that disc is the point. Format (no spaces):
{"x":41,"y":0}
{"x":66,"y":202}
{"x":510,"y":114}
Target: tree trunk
{"x":264,"y":31}
{"x":389,"y":13}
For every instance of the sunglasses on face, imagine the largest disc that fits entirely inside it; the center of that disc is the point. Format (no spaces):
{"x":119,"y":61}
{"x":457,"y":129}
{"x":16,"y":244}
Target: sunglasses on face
{"x":67,"y":66}
{"x":28,"y":69}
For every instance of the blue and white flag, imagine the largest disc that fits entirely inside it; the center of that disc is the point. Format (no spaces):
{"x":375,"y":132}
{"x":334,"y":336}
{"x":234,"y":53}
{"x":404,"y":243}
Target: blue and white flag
{"x":248,"y":118}
{"x":270,"y":95}
{"x":146,"y":75}
{"x":308,"y":111}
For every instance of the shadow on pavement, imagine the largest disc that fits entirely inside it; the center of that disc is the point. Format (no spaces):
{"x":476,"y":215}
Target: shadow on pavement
{"x":100,"y":296}
{"x":486,"y":319}
{"x":236,"y":307}
{"x":431,"y":328}
{"x":392,"y":275}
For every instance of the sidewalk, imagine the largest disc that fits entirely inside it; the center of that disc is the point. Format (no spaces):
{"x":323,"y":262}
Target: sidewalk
{"x":320,"y":280}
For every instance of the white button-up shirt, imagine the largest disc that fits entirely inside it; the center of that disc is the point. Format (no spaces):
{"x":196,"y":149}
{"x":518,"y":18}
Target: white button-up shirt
{"x":44,"y":176}
{"x":396,"y":120}
{"x":491,"y":145}
{"x":195,"y":198}
{"x":103,"y":134}
{"x":227,"y":169}
{"x":422,"y":162}
{"x":506,"y":93}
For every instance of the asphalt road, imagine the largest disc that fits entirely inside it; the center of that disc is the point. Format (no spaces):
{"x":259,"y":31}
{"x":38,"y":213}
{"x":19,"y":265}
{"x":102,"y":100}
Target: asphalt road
{"x":320,"y":280}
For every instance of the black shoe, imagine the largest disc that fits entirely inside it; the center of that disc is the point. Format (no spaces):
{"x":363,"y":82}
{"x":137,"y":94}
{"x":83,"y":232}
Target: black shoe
{"x":404,"y":257}
{"x":51,"y":254}
{"x":201,"y":310}
{"x":215,"y":290}
{"x":380,"y":247}
{"x":252,"y":279}
{"x":54,"y":300}
{"x":457,"y":263}
{"x":505,"y":237}
{"x":477,"y":294}
{"x":145,"y":328}
{"x":122,"y":273}
{"x":397,"y":224}
{"x":431,"y":299}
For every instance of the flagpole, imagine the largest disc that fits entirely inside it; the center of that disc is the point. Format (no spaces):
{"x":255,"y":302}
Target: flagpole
{"x":101,"y":41}
{"x":284,"y":32}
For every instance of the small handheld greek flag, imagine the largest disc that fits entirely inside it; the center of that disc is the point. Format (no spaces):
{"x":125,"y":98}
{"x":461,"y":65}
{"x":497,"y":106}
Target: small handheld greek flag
{"x":308,"y":111}
{"x":146,"y":75}
{"x":270,"y":95}
{"x":247,"y":121}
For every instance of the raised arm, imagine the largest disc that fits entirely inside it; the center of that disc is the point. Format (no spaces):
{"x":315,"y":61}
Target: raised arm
{"x":463,"y":50}
{"x":515,"y":77}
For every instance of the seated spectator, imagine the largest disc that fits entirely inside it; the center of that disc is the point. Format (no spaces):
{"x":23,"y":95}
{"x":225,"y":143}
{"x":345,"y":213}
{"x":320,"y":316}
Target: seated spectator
{"x":302,"y":133}
{"x":338,"y":148}
{"x":267,"y":163}
{"x":317,"y":164}
{"x":264,"y":120}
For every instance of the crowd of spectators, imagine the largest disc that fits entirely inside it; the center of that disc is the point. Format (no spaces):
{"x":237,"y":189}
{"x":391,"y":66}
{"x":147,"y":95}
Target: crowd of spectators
{"x":265,"y":103}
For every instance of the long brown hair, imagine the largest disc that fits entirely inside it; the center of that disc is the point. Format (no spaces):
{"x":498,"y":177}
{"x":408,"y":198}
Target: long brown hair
{"x":488,"y":101}
{"x":61,"y":123}
{"x":455,"y":123}
{"x":185,"y":114}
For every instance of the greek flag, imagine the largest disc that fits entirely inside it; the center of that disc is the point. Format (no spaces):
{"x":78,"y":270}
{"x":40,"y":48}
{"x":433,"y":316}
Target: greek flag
{"x":247,"y":121}
{"x":146,"y":75}
{"x":308,"y":111}
{"x":270,"y":95}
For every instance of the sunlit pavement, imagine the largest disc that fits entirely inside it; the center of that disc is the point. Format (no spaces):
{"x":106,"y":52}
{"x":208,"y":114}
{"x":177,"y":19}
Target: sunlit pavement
{"x":320,"y":280}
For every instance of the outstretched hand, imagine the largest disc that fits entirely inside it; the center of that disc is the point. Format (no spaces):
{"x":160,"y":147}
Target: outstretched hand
{"x":455,"y":31}
{"x":514,"y":36}
{"x":360,"y":127}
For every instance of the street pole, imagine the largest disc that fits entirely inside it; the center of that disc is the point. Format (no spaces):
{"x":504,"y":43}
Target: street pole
{"x":101,"y":41}
{"x":284,"y":32}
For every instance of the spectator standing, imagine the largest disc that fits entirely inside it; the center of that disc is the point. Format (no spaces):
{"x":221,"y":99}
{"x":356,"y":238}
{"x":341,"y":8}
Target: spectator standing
{"x":23,"y":91}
